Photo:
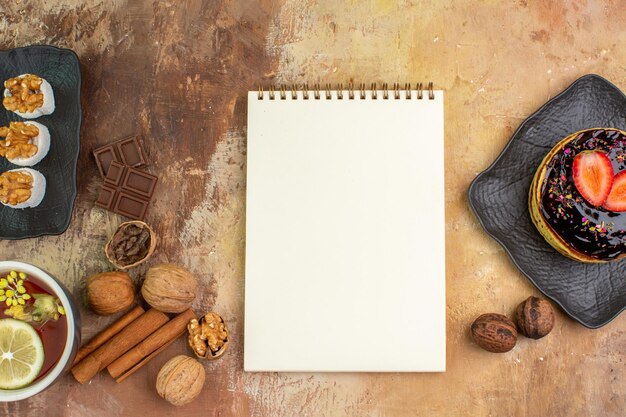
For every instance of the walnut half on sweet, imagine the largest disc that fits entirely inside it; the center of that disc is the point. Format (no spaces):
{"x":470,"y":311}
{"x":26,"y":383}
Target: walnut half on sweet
{"x":208,"y":338}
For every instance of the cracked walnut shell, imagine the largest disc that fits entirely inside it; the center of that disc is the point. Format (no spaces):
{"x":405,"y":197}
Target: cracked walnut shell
{"x":132,"y":244}
{"x":208,"y":338}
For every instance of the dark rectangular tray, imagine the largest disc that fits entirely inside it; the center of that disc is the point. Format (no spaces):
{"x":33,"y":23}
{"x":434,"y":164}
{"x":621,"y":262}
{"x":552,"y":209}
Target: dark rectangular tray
{"x":593,"y":294}
{"x":60,"y":67}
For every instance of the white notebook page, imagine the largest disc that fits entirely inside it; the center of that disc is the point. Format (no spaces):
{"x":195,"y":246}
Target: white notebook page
{"x":345,"y":267}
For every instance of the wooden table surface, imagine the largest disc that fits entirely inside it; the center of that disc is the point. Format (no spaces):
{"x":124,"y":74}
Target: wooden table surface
{"x":177,"y":72}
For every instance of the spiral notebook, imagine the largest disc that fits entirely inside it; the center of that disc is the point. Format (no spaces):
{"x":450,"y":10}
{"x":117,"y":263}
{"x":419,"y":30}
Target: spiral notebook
{"x":345,"y":228}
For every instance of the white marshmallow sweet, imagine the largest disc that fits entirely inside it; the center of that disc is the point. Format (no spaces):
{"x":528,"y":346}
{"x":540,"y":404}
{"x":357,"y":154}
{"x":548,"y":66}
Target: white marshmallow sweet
{"x":42,"y":141}
{"x":48,"y":101}
{"x":37,"y":192}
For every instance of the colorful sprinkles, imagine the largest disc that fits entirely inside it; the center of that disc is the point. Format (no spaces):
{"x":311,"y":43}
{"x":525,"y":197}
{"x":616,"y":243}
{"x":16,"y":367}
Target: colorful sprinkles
{"x":594,"y":231}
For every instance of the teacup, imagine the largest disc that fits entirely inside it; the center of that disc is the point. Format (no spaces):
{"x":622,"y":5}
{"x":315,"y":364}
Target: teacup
{"x":67,"y":347}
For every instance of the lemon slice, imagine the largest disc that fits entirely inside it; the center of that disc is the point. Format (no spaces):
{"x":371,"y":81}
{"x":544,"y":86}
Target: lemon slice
{"x":21,"y":354}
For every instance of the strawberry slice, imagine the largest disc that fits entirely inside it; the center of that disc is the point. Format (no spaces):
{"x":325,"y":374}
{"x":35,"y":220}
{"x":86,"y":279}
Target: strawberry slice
{"x":616,"y":200}
{"x":593,"y":176}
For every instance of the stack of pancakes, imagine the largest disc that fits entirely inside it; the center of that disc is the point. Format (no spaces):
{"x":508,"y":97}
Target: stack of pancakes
{"x":596,"y":234}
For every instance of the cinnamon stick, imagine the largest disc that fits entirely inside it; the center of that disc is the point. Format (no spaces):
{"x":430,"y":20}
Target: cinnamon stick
{"x":102,"y":337}
{"x":144,"y":361}
{"x":169,"y":332}
{"x":119,"y":344}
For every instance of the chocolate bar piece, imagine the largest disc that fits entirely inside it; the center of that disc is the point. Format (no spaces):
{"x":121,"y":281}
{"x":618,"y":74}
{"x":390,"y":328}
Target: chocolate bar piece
{"x":131,"y":151}
{"x":127,"y":191}
{"x":128,"y":151}
{"x":104,"y":156}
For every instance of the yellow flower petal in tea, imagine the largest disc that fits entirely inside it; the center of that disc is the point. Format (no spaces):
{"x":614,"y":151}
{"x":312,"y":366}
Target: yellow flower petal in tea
{"x":45,"y":307}
{"x":18,"y":313}
{"x":13,"y":292}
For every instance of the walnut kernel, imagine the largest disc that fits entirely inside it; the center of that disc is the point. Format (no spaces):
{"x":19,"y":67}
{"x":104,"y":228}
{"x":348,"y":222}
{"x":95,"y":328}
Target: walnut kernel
{"x":26,"y":95}
{"x":15,"y":187}
{"x":132,"y":244}
{"x":208,"y":338}
{"x":18,"y":140}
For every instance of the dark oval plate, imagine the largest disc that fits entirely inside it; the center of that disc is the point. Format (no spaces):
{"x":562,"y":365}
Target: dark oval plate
{"x":61,"y":68}
{"x":592,"y":294}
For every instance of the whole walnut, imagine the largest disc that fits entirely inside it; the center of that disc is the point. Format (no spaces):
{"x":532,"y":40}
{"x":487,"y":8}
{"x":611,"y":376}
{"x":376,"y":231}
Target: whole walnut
{"x":180,"y":380}
{"x":169,"y":288}
{"x":110,"y":292}
{"x":534,"y":317}
{"x":494,"y":332}
{"x":208,"y":338}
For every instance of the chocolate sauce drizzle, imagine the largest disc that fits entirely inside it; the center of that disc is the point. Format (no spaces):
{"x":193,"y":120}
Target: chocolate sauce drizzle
{"x":594,"y":231}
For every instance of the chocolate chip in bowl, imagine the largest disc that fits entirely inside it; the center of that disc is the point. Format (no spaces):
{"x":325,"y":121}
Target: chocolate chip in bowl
{"x":132,"y":244}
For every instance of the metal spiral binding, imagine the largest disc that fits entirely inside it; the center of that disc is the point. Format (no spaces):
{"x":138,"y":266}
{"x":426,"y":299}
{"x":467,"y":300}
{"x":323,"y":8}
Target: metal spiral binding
{"x":431,"y":92}
{"x":362,"y":92}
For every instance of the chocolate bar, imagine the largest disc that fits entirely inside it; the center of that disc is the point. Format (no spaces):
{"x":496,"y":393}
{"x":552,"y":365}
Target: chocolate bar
{"x":128,"y":151}
{"x":127,"y":191}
